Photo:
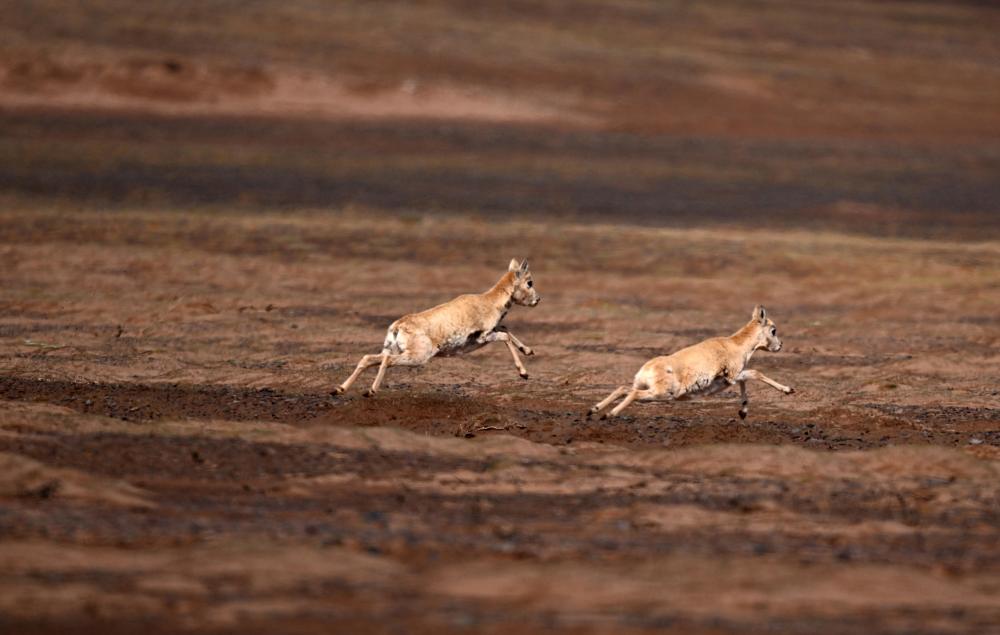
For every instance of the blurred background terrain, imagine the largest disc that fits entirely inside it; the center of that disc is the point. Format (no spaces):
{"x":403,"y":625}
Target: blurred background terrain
{"x":876,"y":117}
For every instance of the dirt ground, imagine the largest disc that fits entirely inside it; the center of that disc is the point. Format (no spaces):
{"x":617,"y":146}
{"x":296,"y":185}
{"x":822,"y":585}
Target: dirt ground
{"x":173,"y":460}
{"x":208,"y":215}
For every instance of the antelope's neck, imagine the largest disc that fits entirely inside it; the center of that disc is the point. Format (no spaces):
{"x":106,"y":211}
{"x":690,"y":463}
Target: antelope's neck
{"x":499,"y":298}
{"x":746,"y":340}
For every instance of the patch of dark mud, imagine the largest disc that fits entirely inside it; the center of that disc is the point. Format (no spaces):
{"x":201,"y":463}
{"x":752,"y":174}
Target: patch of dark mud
{"x":683,"y":424}
{"x":214,"y":459}
{"x":443,"y":413}
{"x":449,"y":410}
{"x":151,"y":402}
{"x":941,"y":415}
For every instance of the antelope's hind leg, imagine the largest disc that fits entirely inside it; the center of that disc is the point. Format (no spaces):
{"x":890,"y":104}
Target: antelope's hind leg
{"x":384,"y":363}
{"x":366,"y":361}
{"x":418,"y":352}
{"x":601,"y":405}
{"x":642,"y":394}
{"x":629,"y":398}
{"x":388,"y":360}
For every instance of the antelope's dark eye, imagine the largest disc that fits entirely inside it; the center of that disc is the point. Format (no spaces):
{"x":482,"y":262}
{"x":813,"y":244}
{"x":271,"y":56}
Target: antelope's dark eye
{"x":530,"y":283}
{"x":774,"y":331}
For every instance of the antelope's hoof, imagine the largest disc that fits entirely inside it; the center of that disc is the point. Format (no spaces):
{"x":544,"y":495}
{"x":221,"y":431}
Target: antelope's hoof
{"x":369,"y":393}
{"x":339,"y":390}
{"x":790,"y":391}
{"x":528,"y":351}
{"x":743,"y":414}
{"x":523,"y":375}
{"x":590,"y":413}
{"x":605,"y":416}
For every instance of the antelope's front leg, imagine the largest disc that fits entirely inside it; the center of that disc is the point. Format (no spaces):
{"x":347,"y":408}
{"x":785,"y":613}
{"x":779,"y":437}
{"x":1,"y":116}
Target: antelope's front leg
{"x":743,"y":397}
{"x":759,"y":376}
{"x":503,"y":336}
{"x":527,"y":350}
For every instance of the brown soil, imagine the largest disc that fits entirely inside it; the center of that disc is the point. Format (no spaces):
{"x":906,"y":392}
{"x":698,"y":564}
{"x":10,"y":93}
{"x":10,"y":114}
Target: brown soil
{"x":172,"y":458}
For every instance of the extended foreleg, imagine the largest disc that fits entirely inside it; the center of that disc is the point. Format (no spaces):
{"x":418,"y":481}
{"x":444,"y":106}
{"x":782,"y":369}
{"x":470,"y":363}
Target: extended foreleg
{"x":521,"y":370}
{"x":759,"y":376}
{"x":743,"y":397}
{"x":503,"y":336}
{"x":527,"y":350}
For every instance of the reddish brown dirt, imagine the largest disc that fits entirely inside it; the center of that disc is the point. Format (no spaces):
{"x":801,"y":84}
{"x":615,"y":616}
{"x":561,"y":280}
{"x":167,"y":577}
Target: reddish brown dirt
{"x":175,"y":461}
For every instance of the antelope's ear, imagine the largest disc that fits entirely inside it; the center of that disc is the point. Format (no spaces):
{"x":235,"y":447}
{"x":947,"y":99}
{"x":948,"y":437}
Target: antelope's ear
{"x":523,"y":269}
{"x":513,"y":266}
{"x":759,"y":314}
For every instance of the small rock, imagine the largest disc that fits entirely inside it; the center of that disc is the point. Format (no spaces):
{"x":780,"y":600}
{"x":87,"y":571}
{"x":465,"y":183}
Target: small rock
{"x":975,"y":441}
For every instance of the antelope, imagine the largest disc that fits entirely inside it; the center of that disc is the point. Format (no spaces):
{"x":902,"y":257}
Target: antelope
{"x":702,"y":369}
{"x":462,"y":325}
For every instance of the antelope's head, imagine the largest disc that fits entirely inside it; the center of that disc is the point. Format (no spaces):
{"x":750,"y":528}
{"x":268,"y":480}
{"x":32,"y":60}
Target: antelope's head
{"x":768,"y":337}
{"x":524,"y":287}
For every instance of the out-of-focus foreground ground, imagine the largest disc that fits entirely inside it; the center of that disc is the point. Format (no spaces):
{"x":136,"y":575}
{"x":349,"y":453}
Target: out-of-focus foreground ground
{"x":209,"y":211}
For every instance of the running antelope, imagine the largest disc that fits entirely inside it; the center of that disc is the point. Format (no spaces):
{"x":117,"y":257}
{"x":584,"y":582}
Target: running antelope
{"x":703,"y":369}
{"x":459,"y":326}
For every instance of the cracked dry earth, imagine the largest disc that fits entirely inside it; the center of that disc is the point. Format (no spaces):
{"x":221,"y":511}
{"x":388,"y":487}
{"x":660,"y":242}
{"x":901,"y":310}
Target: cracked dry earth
{"x":171,"y":459}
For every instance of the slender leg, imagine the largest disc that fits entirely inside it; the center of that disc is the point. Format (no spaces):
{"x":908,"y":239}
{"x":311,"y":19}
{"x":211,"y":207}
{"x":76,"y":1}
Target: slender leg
{"x":518,"y":343}
{"x":517,"y":360}
{"x":753,"y":374}
{"x":387,"y":360}
{"x":615,"y":394}
{"x":629,"y":398}
{"x":366,"y":361}
{"x":743,"y":396}
{"x":503,"y":336}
